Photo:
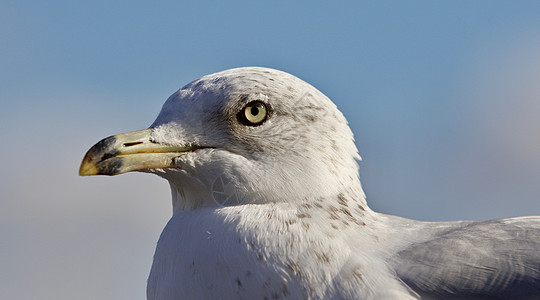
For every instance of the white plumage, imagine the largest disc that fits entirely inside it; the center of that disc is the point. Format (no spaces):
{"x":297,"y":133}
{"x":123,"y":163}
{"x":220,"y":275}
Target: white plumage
{"x":275,"y":210}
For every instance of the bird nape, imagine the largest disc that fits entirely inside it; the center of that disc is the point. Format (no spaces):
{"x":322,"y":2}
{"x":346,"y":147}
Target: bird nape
{"x":267,"y":204}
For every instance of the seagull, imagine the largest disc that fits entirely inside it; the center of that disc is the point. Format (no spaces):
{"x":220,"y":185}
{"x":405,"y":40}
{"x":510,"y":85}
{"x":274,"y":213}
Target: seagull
{"x":268,"y":204}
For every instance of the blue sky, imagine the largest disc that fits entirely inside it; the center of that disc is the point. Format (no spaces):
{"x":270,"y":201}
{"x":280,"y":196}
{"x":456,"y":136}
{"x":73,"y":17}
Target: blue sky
{"x":443,"y":98}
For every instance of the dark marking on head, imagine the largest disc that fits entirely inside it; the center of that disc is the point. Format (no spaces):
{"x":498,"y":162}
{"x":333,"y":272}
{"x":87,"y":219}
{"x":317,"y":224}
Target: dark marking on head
{"x":290,"y":222}
{"x":303,"y":215}
{"x":334,"y":216}
{"x":342,"y":200}
{"x":307,"y":206}
{"x":333,"y":213}
{"x":361,"y":207}
{"x":346,"y":212}
{"x":322,"y":257}
{"x":356,"y":222}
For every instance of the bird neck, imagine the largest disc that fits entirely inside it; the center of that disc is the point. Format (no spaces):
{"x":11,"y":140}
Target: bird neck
{"x":188,"y":196}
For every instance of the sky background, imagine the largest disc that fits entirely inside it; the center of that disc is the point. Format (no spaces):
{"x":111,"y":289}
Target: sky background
{"x":443,"y":98}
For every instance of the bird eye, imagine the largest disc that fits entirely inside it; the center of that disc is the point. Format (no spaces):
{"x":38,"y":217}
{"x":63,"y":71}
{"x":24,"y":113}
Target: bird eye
{"x":254,"y":113}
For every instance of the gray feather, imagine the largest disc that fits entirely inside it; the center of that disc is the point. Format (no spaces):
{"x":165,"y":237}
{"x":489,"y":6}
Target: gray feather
{"x":496,"y":259}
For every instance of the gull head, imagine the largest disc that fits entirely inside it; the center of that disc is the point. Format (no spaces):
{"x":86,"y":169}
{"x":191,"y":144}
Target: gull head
{"x":241,"y":136}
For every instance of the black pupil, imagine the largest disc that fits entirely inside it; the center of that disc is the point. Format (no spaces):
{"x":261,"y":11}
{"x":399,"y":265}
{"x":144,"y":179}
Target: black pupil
{"x":254,"y":111}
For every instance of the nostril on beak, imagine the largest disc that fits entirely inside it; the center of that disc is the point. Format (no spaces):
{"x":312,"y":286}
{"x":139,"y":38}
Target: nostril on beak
{"x":131,"y":144}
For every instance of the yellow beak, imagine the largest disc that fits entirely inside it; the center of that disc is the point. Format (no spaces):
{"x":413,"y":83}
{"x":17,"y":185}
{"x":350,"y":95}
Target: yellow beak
{"x":131,"y":151}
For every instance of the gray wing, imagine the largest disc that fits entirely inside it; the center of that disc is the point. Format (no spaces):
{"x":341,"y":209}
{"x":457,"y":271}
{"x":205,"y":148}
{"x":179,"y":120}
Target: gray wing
{"x":497,"y":259}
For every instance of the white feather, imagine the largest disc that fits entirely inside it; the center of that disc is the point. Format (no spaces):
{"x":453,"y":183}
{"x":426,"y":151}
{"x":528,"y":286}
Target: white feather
{"x":276,"y":211}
